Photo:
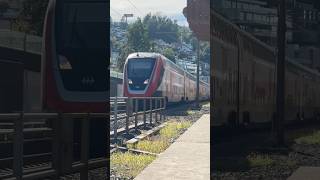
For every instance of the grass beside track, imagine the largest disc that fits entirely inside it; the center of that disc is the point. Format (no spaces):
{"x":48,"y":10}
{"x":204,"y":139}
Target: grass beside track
{"x":245,"y":163}
{"x":205,"y":104}
{"x":166,"y":135}
{"x":256,"y":160}
{"x":156,"y":146}
{"x":312,"y":139}
{"x":173,"y":129}
{"x":129,"y":165}
{"x":250,"y":154}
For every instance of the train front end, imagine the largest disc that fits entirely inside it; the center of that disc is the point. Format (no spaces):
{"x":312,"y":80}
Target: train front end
{"x":75,"y":69}
{"x":74,"y":66}
{"x":142,"y":75}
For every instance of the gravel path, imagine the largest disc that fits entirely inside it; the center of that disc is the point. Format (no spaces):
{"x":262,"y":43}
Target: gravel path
{"x":231,"y":162}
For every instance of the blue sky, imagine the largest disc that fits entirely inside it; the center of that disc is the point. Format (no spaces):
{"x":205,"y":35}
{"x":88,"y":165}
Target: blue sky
{"x":171,"y":8}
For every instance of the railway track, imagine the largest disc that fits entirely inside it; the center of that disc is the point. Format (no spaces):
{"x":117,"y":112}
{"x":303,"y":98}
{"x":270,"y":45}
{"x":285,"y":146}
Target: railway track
{"x":225,"y":133}
{"x":136,"y":125}
{"x":96,"y":173}
{"x":28,"y":169}
{"x":170,"y":108}
{"x":31,"y":142}
{"x":36,"y":134}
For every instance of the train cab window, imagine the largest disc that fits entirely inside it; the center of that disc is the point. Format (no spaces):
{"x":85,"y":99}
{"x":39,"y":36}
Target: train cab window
{"x":81,"y":42}
{"x":139,"y":71}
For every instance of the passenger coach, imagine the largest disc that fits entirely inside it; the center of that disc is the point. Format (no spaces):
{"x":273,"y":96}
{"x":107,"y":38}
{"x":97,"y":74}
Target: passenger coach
{"x":243,"y":78}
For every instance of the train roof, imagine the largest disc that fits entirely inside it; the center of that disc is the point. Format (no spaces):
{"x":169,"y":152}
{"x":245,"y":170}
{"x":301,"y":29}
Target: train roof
{"x":144,"y":55}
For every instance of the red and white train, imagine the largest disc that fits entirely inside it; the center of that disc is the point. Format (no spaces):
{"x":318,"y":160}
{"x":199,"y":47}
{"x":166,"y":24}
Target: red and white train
{"x":243,"y":77}
{"x":74,"y":69}
{"x":152,"y":74}
{"x":74,"y":66}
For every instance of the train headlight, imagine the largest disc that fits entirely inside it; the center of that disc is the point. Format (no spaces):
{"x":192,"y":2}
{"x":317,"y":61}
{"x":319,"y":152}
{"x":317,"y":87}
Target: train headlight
{"x":129,"y":81}
{"x":146,"y":81}
{"x":64,"y":63}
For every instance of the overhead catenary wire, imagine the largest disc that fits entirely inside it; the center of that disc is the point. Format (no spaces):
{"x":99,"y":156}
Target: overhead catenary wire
{"x":135,"y":8}
{"x":116,"y":11}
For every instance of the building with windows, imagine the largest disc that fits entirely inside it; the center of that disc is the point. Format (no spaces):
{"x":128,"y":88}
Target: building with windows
{"x":260,"y":18}
{"x":253,"y":16}
{"x":305,"y":54}
{"x":305,"y":43}
{"x":306,"y":21}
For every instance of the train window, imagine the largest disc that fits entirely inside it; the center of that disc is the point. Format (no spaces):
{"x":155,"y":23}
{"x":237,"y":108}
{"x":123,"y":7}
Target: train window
{"x":81,"y":42}
{"x":74,"y":30}
{"x":139,"y":71}
{"x":140,"y":67}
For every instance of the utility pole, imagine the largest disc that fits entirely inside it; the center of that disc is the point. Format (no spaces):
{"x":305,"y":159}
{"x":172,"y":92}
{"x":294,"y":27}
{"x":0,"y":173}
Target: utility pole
{"x":281,"y":73}
{"x":126,"y":16}
{"x":198,"y":72}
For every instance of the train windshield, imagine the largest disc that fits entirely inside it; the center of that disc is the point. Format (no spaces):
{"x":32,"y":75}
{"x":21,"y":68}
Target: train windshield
{"x":139,"y":71}
{"x":140,"y":68}
{"x":81,"y":42}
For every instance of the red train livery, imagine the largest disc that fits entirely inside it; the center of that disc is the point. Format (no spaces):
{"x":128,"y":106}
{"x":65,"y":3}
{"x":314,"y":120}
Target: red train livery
{"x":152,"y":74}
{"x":74,"y":69}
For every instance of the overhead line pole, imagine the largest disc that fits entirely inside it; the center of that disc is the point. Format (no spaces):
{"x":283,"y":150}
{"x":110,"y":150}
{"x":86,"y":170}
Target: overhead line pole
{"x":198,"y":72}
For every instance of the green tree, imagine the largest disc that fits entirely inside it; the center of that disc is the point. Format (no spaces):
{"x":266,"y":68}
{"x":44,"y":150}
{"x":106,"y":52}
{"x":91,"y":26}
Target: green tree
{"x":161,"y":27}
{"x":186,"y":34}
{"x":169,"y":53}
{"x":125,"y":51}
{"x":31,"y":18}
{"x":138,"y":39}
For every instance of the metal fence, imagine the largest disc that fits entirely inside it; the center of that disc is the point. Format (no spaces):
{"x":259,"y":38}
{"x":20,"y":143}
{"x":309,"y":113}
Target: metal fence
{"x":60,"y":165}
{"x":133,"y":107}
